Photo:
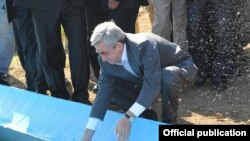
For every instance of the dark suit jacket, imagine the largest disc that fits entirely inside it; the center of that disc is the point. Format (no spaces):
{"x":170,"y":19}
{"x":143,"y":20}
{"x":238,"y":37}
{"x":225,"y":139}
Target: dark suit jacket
{"x":147,"y":54}
{"x":44,"y":4}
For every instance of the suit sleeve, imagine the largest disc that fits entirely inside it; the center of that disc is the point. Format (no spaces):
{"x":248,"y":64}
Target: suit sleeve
{"x":105,"y":91}
{"x":152,"y":74}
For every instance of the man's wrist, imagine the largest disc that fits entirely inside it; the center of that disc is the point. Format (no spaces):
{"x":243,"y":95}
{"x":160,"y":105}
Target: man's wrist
{"x":136,"y":109}
{"x":130,"y":118}
{"x":93,"y":123}
{"x":88,"y":134}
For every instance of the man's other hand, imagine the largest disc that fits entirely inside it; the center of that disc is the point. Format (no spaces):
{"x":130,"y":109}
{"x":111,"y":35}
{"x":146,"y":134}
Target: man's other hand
{"x":123,"y":129}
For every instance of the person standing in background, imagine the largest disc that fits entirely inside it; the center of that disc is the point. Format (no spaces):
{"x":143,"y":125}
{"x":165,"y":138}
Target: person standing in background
{"x":94,"y":16}
{"x":170,"y":19}
{"x":48,"y":16}
{"x":7,"y":44}
{"x":214,"y":37}
{"x":27,"y":47}
{"x":200,"y":37}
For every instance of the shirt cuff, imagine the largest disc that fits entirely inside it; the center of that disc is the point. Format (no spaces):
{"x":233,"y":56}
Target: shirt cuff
{"x":137,"y":109}
{"x":93,"y":123}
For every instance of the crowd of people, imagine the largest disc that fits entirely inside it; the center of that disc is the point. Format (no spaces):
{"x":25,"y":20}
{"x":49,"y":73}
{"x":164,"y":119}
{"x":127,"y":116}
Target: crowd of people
{"x":192,"y":43}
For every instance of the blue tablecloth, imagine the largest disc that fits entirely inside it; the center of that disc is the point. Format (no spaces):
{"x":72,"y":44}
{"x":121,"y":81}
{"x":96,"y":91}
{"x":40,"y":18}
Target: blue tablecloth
{"x":28,"y":116}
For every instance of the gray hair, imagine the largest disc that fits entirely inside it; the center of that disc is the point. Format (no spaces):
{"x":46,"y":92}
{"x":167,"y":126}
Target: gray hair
{"x":109,"y":33}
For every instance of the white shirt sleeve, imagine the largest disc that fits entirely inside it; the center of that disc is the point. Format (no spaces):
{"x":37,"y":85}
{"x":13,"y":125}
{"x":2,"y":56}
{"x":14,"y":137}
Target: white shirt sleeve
{"x":93,"y":123}
{"x":137,"y":109}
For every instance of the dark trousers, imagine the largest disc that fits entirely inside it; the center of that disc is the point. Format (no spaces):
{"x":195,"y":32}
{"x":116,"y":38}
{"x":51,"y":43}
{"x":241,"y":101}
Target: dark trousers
{"x":48,"y":32}
{"x":228,"y":48}
{"x":245,"y":27}
{"x":28,"y":50}
{"x":200,"y":34}
{"x":126,"y":93}
{"x":94,"y":16}
{"x":214,"y":38}
{"x":125,"y":18}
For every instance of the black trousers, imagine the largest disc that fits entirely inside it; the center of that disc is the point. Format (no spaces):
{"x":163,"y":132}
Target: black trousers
{"x":94,"y":16}
{"x":48,"y":33}
{"x":214,"y":38}
{"x":200,"y":34}
{"x":228,"y":47}
{"x":125,"y":18}
{"x":28,"y":50}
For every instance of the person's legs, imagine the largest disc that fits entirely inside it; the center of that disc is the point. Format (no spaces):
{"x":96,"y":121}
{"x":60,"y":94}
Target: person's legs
{"x":27,"y":47}
{"x":179,"y":16}
{"x":131,"y":17}
{"x":7,"y":46}
{"x":94,"y":16}
{"x":199,"y":37}
{"x":28,"y":50}
{"x":92,"y":21}
{"x":162,"y":25}
{"x":74,"y":23}
{"x":51,"y":51}
{"x":227,"y":45}
{"x":125,"y":18}
{"x":171,"y":87}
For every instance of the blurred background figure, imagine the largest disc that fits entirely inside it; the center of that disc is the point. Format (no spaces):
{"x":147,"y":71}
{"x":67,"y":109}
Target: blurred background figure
{"x":170,"y":19}
{"x":215,"y":40}
{"x":7,"y":44}
{"x":245,"y":28}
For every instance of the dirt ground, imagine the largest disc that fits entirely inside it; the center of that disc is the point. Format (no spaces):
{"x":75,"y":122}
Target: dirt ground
{"x":198,"y":105}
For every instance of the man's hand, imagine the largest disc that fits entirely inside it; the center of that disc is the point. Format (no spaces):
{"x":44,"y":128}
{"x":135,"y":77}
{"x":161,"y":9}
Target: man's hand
{"x":113,"y":4}
{"x":123,"y":129}
{"x":88,"y":135}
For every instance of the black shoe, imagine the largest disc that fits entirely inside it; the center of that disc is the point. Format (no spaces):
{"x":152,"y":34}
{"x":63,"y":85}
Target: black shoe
{"x":150,"y":114}
{"x":3,"y":82}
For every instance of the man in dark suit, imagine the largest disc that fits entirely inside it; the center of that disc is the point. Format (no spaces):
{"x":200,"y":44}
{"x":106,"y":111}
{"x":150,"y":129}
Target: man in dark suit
{"x":47,"y":17}
{"x":135,"y":68}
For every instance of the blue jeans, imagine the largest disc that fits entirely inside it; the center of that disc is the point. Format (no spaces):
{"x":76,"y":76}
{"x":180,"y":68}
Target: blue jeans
{"x":7,"y":42}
